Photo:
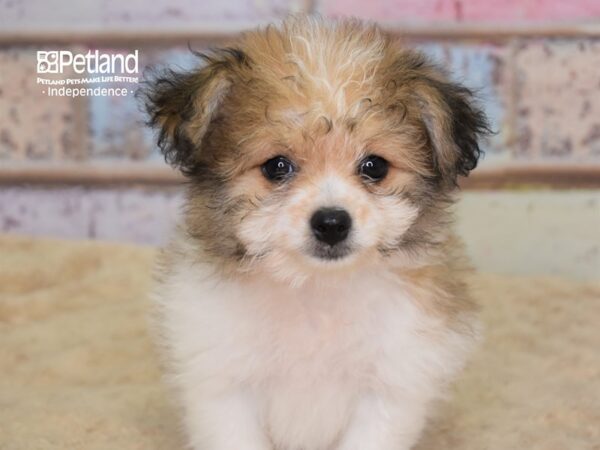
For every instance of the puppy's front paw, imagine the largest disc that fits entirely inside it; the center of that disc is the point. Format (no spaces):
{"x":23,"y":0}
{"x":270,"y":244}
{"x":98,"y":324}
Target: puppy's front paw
{"x":378,"y":424}
{"x":229,"y":422}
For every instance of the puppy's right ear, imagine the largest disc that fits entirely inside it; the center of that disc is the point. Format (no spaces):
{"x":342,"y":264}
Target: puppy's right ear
{"x":181,"y":106}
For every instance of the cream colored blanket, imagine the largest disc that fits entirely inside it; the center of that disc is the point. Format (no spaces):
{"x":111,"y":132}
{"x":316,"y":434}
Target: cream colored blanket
{"x":77,"y":369}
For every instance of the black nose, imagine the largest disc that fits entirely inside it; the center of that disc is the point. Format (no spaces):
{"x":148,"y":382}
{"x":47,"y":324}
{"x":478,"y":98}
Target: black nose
{"x":331,"y":225}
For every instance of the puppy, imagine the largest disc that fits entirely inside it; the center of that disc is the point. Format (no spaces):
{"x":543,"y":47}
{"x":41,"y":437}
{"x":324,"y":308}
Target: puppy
{"x":313,"y":295}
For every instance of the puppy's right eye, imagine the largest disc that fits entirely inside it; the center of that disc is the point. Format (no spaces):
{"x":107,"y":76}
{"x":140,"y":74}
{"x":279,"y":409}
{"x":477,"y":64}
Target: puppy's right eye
{"x":278,"y":168}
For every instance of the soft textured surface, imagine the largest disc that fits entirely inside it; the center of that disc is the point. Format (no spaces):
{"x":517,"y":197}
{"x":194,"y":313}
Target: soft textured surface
{"x":78,"y":370}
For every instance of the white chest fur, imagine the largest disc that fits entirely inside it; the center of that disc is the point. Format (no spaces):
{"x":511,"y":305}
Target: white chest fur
{"x":301,"y":361}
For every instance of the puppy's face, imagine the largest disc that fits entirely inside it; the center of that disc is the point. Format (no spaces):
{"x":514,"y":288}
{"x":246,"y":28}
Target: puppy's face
{"x":315,"y":147}
{"x":326,"y":198}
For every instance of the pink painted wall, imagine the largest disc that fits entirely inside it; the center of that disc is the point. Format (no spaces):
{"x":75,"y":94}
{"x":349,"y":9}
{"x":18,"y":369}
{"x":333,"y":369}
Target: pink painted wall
{"x":66,"y":14}
{"x":132,"y":214}
{"x":407,"y":10}
{"x":531,"y":10}
{"x":465,"y":10}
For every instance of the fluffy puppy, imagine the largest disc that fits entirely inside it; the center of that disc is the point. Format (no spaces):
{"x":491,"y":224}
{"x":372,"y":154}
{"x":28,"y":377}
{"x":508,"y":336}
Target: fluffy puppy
{"x":313,"y":296}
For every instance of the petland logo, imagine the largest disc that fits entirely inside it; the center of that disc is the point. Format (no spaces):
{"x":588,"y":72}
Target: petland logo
{"x":100,"y":69}
{"x":91,"y":62}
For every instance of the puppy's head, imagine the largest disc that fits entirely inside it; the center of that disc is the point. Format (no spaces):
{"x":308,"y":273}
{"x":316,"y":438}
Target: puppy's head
{"x":316,"y":146}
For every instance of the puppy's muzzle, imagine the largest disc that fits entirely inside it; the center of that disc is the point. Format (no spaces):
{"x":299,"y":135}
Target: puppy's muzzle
{"x":331,"y":225}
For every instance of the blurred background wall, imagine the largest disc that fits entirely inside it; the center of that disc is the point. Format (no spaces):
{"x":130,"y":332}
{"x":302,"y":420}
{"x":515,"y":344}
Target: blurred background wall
{"x":87,"y":167}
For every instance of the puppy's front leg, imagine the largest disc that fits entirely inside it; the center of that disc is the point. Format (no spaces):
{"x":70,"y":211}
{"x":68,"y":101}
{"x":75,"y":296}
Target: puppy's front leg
{"x":227,"y":422}
{"x":379,"y":424}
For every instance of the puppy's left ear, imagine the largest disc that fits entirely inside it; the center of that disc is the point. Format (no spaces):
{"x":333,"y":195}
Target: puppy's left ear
{"x":454,"y":125}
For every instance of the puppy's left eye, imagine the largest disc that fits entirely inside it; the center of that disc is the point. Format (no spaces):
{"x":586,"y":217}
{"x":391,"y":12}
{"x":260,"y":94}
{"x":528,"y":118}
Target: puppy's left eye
{"x":278,"y":168}
{"x":373,"y":168}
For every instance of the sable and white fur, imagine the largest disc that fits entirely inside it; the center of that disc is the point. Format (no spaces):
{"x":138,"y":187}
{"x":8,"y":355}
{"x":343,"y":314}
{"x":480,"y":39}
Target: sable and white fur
{"x":270,"y":347}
